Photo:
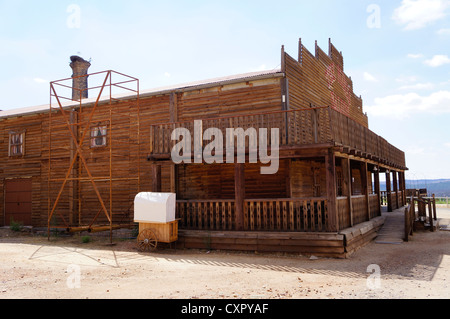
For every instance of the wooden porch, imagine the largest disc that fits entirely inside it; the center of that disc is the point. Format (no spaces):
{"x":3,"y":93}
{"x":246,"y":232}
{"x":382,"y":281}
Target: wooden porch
{"x":350,"y":159}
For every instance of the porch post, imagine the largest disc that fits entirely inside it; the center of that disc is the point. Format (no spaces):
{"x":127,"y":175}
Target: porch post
{"x":404,"y":188}
{"x":377,"y":188}
{"x":347,"y":185}
{"x":239,"y":189}
{"x":156,"y":178}
{"x":400,"y":188}
{"x":364,"y":187}
{"x":395,"y":182}
{"x":388,"y":190}
{"x":330,"y":168}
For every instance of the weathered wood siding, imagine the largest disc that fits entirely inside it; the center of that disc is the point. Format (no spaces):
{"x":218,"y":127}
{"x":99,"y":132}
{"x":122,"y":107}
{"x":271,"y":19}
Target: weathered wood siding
{"x":78,"y":202}
{"x":26,"y":166}
{"x":216,"y":181}
{"x":320,"y":80}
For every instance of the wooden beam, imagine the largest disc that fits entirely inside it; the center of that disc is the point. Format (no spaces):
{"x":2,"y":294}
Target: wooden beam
{"x":239,"y":189}
{"x":173,"y":179}
{"x":347,"y":185}
{"x":156,"y":178}
{"x":330,"y":168}
{"x":388,"y":190}
{"x":378,"y":189}
{"x":365,"y":187}
{"x":395,"y":183}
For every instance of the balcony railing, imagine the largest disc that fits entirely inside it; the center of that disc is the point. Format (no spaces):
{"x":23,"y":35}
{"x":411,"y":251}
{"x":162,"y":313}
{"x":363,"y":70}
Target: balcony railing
{"x":321,"y":125}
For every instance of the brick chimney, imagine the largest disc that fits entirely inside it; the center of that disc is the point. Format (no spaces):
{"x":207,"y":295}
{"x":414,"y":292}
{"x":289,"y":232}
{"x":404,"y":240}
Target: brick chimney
{"x":80,"y":68}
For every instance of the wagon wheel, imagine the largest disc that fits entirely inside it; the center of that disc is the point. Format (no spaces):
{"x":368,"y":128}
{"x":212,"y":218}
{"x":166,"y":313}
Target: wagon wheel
{"x":147,"y":240}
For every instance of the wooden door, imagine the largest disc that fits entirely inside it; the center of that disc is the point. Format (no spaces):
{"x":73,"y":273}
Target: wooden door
{"x":18,"y":201}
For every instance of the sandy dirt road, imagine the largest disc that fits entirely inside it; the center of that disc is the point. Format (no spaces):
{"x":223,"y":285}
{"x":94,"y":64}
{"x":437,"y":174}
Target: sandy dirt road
{"x":65,"y":268}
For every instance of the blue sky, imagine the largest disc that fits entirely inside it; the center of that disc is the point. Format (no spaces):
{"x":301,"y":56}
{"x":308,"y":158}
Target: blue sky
{"x":397,"y":53}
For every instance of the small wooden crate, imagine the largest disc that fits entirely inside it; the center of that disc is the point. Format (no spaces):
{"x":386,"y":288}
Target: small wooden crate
{"x":165,"y":232}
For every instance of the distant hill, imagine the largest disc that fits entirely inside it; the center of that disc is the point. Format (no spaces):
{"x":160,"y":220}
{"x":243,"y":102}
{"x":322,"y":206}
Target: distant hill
{"x":439,"y":187}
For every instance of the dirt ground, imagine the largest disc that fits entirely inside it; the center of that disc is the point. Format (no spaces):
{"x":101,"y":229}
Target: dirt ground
{"x":65,"y":268}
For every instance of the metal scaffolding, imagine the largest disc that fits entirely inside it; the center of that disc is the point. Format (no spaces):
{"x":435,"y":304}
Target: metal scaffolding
{"x":85,"y":137}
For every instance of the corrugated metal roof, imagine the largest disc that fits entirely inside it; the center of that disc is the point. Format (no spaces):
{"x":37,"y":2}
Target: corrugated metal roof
{"x":157,"y":91}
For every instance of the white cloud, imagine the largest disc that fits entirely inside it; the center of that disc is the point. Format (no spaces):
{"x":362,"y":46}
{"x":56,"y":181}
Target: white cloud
{"x":40,"y":81}
{"x":417,"y":14}
{"x":443,"y":32}
{"x":407,"y":79}
{"x":418,"y":86}
{"x":403,"y":105}
{"x":369,"y":77}
{"x":415,"y":56}
{"x":438,"y":60}
{"x":167,"y":74}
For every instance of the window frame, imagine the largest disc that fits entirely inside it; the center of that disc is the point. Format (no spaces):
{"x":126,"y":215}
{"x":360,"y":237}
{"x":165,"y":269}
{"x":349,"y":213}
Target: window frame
{"x":93,"y":138}
{"x":20,"y":145}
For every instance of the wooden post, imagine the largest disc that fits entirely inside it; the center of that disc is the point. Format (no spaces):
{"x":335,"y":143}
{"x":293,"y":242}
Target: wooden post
{"x":347,"y":185}
{"x":434,"y":207}
{"x":239,"y":189}
{"x":404,"y":188}
{"x":330,"y":168}
{"x":156,"y":178}
{"x":395,"y":182}
{"x":364,"y":186}
{"x":430,"y":215}
{"x":388,"y":190}
{"x":377,"y":188}
{"x":173,"y":179}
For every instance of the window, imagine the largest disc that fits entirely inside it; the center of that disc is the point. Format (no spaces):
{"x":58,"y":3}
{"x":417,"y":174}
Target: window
{"x":16,"y":144}
{"x":98,"y":136}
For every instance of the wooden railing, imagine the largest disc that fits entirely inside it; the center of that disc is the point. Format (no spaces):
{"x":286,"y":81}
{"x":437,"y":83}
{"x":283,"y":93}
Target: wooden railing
{"x":296,"y":215}
{"x":349,"y":133}
{"x":296,"y":127}
{"x":410,"y":217}
{"x":293,"y":215}
{"x":359,"y":209}
{"x":374,"y":206}
{"x":359,"y":204}
{"x":206,"y":214}
{"x":343,"y":212}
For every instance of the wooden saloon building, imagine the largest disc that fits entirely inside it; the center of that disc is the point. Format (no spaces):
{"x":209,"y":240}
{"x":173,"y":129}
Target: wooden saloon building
{"x":78,"y":162}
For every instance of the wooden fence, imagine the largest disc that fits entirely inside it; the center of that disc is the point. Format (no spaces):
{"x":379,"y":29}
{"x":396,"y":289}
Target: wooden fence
{"x":415,"y":217}
{"x":295,"y":215}
{"x":296,"y":127}
{"x":361,"y":210}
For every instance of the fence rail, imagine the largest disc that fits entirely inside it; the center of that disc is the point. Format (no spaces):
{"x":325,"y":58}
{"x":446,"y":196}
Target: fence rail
{"x":294,"y":215}
{"x":297,"y":127}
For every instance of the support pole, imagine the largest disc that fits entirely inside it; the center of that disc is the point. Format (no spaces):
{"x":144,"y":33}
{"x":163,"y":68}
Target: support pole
{"x":388,"y":190}
{"x":156,"y":178}
{"x":330,"y":168}
{"x":378,"y":189}
{"x":239,"y":188}
{"x":347,"y":185}
{"x":395,"y":182}
{"x":364,"y":187}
